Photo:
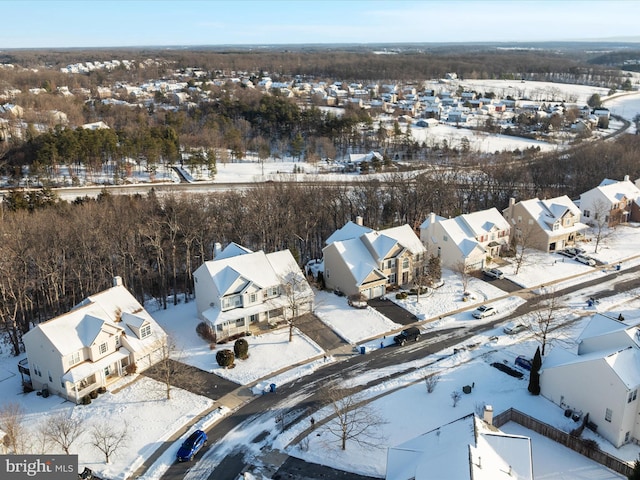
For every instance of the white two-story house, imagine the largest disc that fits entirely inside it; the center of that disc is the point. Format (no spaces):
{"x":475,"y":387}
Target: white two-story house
{"x":467,"y":239}
{"x":239,"y":288}
{"x":92,"y":345}
{"x":601,"y":377}
{"x":611,"y":203}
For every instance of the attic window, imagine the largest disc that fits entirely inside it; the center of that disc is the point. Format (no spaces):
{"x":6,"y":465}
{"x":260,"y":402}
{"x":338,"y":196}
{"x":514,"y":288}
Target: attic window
{"x":145,"y":331}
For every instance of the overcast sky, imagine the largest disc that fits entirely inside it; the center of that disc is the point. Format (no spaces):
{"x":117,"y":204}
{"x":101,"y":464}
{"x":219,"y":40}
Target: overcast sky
{"x":115,"y":23}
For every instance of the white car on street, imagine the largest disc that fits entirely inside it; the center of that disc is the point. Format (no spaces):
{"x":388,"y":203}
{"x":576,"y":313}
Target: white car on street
{"x":484,"y":311}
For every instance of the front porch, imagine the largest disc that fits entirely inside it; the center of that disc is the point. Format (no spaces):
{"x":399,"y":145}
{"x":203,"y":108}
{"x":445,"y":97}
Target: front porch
{"x":88,"y":377}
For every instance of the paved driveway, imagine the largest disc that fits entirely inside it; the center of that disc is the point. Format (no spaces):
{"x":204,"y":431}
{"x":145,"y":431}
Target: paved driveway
{"x":392,"y":311}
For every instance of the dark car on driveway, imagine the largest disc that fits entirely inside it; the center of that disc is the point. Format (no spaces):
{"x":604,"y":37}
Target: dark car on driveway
{"x":411,"y":333}
{"x":191,"y":446}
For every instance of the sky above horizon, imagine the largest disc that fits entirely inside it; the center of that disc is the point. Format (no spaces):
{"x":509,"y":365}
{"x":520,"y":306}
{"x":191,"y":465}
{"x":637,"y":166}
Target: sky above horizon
{"x":119,"y":23}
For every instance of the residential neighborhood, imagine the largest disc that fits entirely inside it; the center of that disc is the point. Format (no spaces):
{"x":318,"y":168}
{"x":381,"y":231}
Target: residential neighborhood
{"x":344,"y":247}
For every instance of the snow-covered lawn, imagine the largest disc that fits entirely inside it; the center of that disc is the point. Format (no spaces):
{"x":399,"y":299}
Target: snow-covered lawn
{"x":180,"y":324}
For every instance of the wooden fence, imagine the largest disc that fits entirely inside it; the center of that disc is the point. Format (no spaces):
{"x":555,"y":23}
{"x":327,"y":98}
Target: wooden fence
{"x":576,"y":444}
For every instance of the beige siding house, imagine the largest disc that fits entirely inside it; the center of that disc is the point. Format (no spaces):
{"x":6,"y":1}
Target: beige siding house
{"x":546,"y":225}
{"x":361,"y":261}
{"x":92,"y":345}
{"x":240,"y":288}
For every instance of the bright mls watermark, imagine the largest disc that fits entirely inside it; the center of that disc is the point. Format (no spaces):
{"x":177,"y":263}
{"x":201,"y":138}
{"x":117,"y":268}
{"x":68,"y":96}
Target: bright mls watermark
{"x":36,"y":467}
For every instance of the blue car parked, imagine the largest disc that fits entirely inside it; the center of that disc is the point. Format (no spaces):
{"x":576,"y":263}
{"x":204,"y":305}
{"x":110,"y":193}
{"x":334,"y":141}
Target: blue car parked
{"x":192,"y":445}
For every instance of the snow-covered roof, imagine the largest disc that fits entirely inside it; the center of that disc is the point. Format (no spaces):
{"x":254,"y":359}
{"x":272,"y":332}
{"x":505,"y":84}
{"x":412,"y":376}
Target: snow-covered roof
{"x":348,"y":231}
{"x":102,"y":312}
{"x":358,"y":259}
{"x":232,"y":250}
{"x":615,"y":343}
{"x":547,"y":212}
{"x":237,"y":273}
{"x":381,"y":245}
{"x":485,"y":221}
{"x":406,"y":237}
{"x":615,"y":190}
{"x":233,"y":274}
{"x":464,"y":449}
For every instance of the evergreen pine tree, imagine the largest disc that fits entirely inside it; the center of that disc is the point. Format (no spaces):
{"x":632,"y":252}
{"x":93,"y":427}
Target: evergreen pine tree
{"x":534,"y":376}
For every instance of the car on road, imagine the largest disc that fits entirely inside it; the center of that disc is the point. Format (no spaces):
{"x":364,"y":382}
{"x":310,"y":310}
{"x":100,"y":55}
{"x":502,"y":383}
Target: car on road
{"x":514,"y":328}
{"x":585,"y":259}
{"x":411,"y":333}
{"x":484,"y":311}
{"x":493,"y":273}
{"x":191,"y":446}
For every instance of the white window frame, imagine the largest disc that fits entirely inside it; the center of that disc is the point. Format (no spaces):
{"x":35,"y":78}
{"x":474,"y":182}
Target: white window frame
{"x":145,"y":331}
{"x":103,"y":348}
{"x":608,"y":415}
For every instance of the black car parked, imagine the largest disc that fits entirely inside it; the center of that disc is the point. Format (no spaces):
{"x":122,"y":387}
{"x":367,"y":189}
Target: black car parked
{"x":411,"y":333}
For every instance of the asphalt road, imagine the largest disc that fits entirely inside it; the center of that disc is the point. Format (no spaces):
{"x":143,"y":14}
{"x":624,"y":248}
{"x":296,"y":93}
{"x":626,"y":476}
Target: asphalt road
{"x":295,"y":400}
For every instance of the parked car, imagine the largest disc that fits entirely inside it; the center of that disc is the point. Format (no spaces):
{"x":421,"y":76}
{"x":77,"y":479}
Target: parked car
{"x":484,"y":311}
{"x":493,"y":273}
{"x":411,"y":333}
{"x":574,"y":250}
{"x":585,"y":259}
{"x":523,"y":362}
{"x":566,"y":252}
{"x":192,"y":446}
{"x":514,"y":328}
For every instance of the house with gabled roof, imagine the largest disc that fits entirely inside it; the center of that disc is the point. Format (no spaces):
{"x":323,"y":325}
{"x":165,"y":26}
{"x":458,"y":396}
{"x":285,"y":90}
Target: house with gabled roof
{"x":240,"y":288}
{"x":608,"y":355}
{"x":469,"y":448}
{"x":92,"y":345}
{"x":617,"y":201}
{"x":549,"y":225}
{"x":362,"y":261}
{"x":467,"y":239}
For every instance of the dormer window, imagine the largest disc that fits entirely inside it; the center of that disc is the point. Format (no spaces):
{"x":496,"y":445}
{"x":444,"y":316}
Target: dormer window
{"x":145,"y":331}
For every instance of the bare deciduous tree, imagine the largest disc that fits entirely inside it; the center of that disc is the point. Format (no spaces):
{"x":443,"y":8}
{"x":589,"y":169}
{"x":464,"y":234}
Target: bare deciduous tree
{"x":456,"y":395}
{"x":63,"y":430}
{"x":108,"y":439}
{"x":353,"y":418}
{"x":295,"y":291}
{"x":543,"y":316}
{"x":12,"y":424}
{"x":461,"y":269}
{"x":431,"y":381}
{"x":521,"y":241}
{"x":599,"y":221}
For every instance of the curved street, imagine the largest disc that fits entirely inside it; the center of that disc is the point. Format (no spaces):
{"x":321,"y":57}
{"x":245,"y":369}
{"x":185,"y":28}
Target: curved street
{"x":224,"y":460}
